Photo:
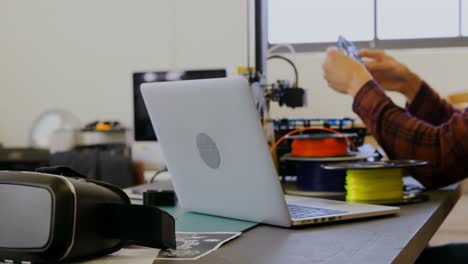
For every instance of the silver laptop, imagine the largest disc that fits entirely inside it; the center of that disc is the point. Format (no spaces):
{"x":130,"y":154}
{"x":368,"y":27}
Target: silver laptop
{"x":217,"y":155}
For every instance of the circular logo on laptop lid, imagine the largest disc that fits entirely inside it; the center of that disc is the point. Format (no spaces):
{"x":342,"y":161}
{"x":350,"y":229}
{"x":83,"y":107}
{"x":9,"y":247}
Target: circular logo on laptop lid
{"x":208,"y":150}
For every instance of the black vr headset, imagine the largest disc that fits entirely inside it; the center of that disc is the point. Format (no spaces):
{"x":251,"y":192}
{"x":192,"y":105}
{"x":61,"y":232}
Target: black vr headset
{"x":45,"y":217}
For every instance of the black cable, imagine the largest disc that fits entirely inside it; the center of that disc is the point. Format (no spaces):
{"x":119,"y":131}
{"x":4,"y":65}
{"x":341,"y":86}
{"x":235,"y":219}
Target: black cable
{"x":156,"y":174}
{"x":296,"y":74}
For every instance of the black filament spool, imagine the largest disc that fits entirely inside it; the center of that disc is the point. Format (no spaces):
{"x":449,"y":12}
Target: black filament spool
{"x":311,"y":177}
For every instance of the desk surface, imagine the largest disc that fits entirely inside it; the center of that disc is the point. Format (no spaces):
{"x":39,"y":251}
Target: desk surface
{"x":398,"y":239}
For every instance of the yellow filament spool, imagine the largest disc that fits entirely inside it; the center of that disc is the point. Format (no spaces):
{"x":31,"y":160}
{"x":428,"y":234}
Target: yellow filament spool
{"x":374,"y":185}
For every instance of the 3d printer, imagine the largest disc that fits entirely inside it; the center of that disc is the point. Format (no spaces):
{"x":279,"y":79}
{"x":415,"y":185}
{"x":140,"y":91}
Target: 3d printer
{"x":289,"y":94}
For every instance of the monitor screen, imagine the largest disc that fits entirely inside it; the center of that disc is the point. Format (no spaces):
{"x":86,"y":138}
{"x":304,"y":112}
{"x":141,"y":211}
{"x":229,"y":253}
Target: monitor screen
{"x":142,"y":124}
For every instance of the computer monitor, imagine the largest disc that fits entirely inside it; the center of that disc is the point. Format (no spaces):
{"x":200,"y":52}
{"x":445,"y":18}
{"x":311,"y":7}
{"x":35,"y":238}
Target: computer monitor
{"x":143,"y":130}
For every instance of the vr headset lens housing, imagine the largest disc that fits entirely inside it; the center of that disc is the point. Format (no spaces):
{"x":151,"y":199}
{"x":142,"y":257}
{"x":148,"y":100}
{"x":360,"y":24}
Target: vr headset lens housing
{"x":26,"y":216}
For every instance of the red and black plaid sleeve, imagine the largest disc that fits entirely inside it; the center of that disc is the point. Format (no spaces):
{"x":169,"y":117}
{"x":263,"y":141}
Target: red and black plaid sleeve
{"x":427,"y":105}
{"x":403,"y":136}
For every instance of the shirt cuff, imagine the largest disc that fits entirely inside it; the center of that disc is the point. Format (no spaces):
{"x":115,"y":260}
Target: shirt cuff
{"x":367,"y":98}
{"x":419,"y":100}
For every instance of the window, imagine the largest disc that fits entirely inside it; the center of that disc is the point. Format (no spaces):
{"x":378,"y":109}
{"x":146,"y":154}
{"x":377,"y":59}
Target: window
{"x":415,"y":19}
{"x":300,"y":21}
{"x":310,"y":24}
{"x":464,"y":17}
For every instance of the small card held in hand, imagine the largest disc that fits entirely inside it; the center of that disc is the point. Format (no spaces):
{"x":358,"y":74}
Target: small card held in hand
{"x":348,"y":48}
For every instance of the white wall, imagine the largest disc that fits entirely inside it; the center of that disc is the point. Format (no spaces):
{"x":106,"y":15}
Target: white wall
{"x":79,"y":55}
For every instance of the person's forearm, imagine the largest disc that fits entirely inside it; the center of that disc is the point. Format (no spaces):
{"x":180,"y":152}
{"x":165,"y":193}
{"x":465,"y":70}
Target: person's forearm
{"x":405,"y":137}
{"x":427,"y":105}
{"x":412,"y":88}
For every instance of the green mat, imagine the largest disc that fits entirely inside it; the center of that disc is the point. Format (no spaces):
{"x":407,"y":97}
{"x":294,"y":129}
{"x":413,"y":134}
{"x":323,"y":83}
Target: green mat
{"x":192,"y":222}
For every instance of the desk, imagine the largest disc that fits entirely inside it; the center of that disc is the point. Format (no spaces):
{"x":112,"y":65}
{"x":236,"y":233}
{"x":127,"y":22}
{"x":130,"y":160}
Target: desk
{"x":380,"y":240}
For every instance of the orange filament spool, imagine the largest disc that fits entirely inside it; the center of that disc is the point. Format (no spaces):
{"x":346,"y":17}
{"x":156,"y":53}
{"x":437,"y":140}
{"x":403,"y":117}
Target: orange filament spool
{"x":336,"y":144}
{"x":320,"y":147}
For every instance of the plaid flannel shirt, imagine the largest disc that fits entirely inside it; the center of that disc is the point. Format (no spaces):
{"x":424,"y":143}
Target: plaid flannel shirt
{"x":428,"y":129}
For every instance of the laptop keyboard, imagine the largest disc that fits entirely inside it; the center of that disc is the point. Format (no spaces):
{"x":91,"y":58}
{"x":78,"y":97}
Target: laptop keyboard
{"x":301,"y":212}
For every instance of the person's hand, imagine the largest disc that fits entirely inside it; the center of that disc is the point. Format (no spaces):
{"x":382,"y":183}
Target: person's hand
{"x":391,"y":74}
{"x":343,"y":73}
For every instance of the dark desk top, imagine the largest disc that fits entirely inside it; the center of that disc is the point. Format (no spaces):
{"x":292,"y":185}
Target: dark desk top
{"x":397,"y":239}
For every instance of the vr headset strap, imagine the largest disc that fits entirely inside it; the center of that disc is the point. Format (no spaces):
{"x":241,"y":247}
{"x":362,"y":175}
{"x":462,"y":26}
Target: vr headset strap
{"x":141,"y":225}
